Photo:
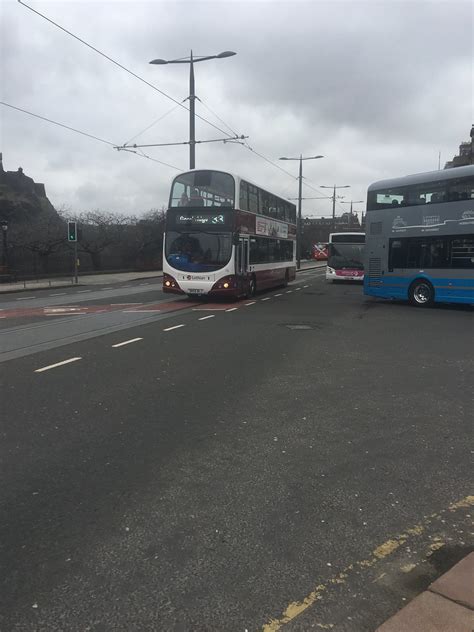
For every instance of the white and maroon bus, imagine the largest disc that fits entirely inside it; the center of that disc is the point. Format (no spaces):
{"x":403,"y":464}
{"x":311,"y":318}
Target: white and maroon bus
{"x":346,"y":257}
{"x":226,"y":236}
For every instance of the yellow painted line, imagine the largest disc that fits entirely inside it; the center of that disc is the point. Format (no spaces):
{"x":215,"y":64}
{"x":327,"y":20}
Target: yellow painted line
{"x":295,"y":608}
{"x":465,"y":502}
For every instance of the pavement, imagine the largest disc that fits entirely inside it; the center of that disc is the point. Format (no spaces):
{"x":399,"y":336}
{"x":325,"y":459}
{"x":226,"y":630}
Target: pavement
{"x":86,"y":279}
{"x":294,"y":462}
{"x":447,"y":605}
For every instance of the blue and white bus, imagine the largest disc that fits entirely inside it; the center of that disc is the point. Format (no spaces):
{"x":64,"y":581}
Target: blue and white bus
{"x":420,"y":238}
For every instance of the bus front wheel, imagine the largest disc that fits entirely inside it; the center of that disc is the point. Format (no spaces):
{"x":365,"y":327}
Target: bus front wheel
{"x":421,"y":293}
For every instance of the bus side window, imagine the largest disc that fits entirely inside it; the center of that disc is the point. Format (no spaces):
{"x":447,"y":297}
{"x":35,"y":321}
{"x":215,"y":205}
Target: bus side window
{"x":244,"y":195}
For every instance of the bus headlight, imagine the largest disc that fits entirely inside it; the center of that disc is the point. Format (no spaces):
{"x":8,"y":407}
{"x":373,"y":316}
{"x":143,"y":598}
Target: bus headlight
{"x":226,"y":283}
{"x":170,"y":282}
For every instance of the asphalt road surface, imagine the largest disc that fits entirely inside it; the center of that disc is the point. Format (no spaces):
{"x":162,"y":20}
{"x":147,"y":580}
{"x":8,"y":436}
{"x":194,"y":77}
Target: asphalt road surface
{"x":294,"y":462}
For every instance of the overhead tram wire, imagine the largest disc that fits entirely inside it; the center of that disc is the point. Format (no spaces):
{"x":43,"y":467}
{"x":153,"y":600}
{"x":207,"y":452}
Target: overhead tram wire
{"x":48,"y":120}
{"x":96,"y":50}
{"x":78,"y":131}
{"x":217,"y":117}
{"x":160,"y":118}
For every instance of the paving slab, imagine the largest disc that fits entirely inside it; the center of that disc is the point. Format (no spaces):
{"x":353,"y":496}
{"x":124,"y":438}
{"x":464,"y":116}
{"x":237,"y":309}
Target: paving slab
{"x":458,"y":583}
{"x":430,"y":613}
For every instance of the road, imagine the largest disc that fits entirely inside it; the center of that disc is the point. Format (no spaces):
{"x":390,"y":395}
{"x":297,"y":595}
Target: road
{"x":297,"y":461}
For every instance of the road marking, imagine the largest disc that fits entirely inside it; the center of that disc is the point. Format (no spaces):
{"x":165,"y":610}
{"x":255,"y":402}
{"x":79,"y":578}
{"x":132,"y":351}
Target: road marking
{"x":267,"y":298}
{"x":295,"y":608}
{"x":107,"y":288}
{"x":298,"y":288}
{"x":175,"y":327}
{"x":231,"y":309}
{"x":67,"y":314}
{"x":206,"y":317}
{"x":25,"y":298}
{"x":122,"y":287}
{"x":126,"y":304}
{"x":140,"y":311}
{"x":248,"y":304}
{"x":305,"y":286}
{"x":60,"y":294}
{"x":143,"y":284}
{"x":126,"y":342}
{"x":53,"y":366}
{"x":83,"y":291}
{"x":278,"y":295}
{"x":289,"y":291}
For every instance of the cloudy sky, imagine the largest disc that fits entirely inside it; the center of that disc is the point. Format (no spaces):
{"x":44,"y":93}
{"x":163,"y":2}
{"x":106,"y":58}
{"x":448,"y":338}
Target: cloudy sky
{"x":377,"y":87}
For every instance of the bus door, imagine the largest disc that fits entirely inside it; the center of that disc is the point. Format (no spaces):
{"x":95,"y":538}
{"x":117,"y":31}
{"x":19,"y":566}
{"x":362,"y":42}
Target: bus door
{"x":242,"y":257}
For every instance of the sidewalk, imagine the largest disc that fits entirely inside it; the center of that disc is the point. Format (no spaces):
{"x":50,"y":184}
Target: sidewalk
{"x":87,"y":279}
{"x":447,"y":605}
{"x":104,"y":279}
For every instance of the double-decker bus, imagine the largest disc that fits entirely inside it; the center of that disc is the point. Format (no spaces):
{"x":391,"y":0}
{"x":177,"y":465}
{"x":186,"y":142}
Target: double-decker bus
{"x":345,"y":257}
{"x":420,"y":237}
{"x":226,"y":236}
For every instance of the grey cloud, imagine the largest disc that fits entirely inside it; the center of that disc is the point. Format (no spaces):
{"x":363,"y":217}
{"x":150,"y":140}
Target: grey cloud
{"x":377,"y":87}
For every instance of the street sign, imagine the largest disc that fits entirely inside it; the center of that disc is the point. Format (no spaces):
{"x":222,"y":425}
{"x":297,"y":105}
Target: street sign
{"x":72,"y":231}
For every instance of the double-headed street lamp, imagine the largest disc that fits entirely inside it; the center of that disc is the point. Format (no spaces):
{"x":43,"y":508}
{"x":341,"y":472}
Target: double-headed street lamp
{"x":300,"y":188}
{"x":191,"y":60}
{"x":334,"y":187}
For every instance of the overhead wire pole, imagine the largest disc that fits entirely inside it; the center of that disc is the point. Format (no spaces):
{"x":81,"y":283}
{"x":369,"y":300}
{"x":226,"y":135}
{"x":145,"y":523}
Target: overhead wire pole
{"x":334,"y":187}
{"x":299,"y":231}
{"x":191,"y":60}
{"x":352,"y":202}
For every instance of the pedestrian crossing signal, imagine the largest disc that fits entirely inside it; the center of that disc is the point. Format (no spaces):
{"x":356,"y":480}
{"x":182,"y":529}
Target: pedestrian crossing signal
{"x":71,"y":231}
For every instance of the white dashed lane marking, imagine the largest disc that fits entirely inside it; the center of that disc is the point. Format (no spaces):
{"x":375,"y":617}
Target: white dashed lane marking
{"x":126,"y":342}
{"x":248,"y":304}
{"x":53,"y":366}
{"x":232,"y":309}
{"x":267,"y":298}
{"x":175,"y":327}
{"x":206,"y":317}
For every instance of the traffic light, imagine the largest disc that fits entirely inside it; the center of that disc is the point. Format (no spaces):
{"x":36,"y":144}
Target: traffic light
{"x":71,"y":231}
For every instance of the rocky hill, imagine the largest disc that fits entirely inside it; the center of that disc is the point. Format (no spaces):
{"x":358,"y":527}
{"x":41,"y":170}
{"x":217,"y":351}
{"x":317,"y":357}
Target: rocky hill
{"x":21,"y":198}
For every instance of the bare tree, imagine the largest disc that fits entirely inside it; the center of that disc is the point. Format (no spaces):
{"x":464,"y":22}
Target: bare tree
{"x":98,"y":231}
{"x":42,"y":236}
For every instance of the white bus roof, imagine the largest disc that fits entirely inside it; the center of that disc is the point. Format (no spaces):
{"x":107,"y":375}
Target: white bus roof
{"x":420,"y":178}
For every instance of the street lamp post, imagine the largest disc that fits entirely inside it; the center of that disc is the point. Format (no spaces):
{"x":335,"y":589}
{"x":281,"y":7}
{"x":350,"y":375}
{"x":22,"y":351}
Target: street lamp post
{"x":191,"y":60}
{"x":5,"y":246}
{"x":300,"y":188}
{"x":334,"y":187}
{"x":352,"y":202}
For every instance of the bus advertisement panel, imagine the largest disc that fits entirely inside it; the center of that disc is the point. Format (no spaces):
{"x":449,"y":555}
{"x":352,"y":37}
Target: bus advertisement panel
{"x":345,"y":257}
{"x":226,"y":237}
{"x":420,"y":237}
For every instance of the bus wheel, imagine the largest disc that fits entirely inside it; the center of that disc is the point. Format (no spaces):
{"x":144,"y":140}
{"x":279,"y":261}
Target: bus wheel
{"x":421,"y":293}
{"x":252,"y":287}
